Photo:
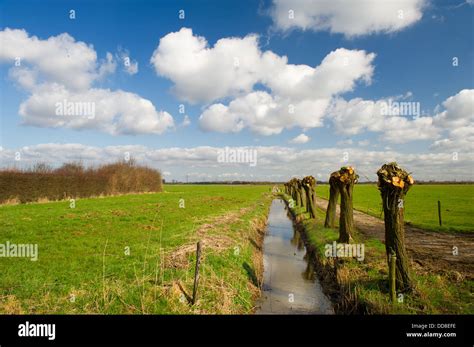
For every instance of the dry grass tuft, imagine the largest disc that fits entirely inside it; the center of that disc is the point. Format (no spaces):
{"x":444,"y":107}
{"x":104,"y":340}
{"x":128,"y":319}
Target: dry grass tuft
{"x":213,"y":236}
{"x":9,"y":304}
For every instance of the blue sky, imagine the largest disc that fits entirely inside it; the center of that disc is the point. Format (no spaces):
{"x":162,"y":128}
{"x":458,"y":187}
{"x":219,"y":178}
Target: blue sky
{"x":415,"y":58}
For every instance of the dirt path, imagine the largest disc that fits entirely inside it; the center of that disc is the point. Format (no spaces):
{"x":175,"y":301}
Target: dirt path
{"x":433,"y":250}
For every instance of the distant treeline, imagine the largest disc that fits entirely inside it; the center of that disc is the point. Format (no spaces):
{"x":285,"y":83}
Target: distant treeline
{"x":73,"y":180}
{"x":420,"y":182}
{"x":318,"y":182}
{"x":224,"y":182}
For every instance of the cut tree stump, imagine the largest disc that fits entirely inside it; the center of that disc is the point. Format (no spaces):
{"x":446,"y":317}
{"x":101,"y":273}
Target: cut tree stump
{"x":394,"y":183}
{"x":309,"y":183}
{"x":330,"y":221}
{"x":345,"y":179}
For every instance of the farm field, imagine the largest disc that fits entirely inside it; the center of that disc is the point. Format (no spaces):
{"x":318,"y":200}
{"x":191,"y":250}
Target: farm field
{"x":421,"y":205}
{"x":135,"y":254}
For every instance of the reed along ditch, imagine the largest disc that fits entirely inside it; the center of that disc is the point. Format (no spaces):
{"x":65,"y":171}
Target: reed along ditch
{"x":290,"y":284}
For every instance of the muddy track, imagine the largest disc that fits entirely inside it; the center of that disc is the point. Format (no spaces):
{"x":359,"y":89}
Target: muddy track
{"x":428,"y":249}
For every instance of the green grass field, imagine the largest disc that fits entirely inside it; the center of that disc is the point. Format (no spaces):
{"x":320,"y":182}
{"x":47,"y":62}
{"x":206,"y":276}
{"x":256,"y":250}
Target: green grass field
{"x":421,"y":205}
{"x":135,"y":254}
{"x":84,"y":265}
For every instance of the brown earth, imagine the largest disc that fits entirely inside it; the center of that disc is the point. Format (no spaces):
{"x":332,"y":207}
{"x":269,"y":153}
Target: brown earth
{"x":430,"y":250}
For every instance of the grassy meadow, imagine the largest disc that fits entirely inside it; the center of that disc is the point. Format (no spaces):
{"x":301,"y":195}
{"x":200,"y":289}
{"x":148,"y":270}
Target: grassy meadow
{"x":135,"y":254}
{"x":421,"y":205}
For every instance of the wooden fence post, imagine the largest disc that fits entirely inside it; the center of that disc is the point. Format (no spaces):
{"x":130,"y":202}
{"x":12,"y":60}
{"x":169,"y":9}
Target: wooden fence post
{"x":439,"y":213}
{"x":196,"y":271}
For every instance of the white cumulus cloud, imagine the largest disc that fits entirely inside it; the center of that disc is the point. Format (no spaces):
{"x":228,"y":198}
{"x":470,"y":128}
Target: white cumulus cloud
{"x":62,"y":70}
{"x":358,"y":115}
{"x":59,"y":58}
{"x":129,"y":65}
{"x":233,"y":66}
{"x":263,"y":114}
{"x":300,"y":139}
{"x":202,"y":73}
{"x":346,"y":17}
{"x":294,"y":95}
{"x":115,"y":112}
{"x":457,"y":120}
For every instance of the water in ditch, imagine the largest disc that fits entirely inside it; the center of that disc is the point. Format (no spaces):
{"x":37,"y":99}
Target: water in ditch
{"x":290,"y":285}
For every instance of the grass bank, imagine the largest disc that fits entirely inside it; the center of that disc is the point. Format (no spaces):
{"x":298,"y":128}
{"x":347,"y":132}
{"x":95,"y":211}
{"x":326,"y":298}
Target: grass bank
{"x":362,"y":286}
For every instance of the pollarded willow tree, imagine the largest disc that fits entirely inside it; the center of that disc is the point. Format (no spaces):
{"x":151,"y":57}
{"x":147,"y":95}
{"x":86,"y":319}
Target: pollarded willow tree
{"x":301,"y":193}
{"x":345,"y":179}
{"x":295,"y":193}
{"x":394,"y":183}
{"x":309,"y":183}
{"x":330,"y":221}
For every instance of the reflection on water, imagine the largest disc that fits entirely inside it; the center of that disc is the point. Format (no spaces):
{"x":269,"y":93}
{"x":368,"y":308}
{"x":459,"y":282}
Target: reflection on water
{"x":297,"y":241}
{"x":289,"y":281}
{"x":309,"y":273}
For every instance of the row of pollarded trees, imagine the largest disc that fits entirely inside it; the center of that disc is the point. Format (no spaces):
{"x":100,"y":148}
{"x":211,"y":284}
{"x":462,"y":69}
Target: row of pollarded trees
{"x":393,"y":183}
{"x":303,"y":194}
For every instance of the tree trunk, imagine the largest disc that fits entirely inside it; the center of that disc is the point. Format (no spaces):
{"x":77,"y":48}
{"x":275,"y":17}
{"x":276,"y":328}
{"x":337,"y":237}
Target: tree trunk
{"x":309,"y":183}
{"x":302,"y":194}
{"x":313,"y":200}
{"x":292,"y":190}
{"x":297,"y":195}
{"x":394,"y":184}
{"x":346,"y":219}
{"x":346,"y":178}
{"x":330,"y":221}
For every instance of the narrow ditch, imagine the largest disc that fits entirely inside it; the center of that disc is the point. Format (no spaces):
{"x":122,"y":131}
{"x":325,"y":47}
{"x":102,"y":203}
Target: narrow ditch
{"x":290,"y":284}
